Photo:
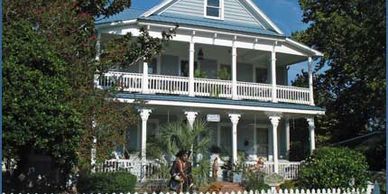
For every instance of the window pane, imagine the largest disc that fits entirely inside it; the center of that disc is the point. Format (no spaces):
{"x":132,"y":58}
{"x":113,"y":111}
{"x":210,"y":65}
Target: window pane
{"x":215,"y":3}
{"x":211,"y":11}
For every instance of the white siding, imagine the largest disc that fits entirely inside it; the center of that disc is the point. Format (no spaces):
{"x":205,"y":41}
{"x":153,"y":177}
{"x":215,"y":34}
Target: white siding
{"x":234,"y":11}
{"x":187,"y":7}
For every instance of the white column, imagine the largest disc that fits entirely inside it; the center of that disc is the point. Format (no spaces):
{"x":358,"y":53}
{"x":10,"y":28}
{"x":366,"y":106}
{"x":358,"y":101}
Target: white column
{"x":270,"y":144}
{"x":273,"y":74}
{"x":190,"y":116}
{"x":191,"y":67}
{"x":234,"y":118}
{"x":255,"y":136}
{"x":93,"y":152}
{"x":98,"y":46}
{"x":234,"y":72}
{"x":311,"y":124}
{"x":144,"y":84}
{"x":310,"y":72}
{"x":287,"y":135}
{"x":275,"y":122}
{"x":144,"y":114}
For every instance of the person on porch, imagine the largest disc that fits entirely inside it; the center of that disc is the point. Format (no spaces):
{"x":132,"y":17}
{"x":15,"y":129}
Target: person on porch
{"x":178,"y":172}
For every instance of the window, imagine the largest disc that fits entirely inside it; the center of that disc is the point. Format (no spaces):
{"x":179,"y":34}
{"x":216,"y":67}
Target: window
{"x":213,"y":9}
{"x":261,"y":75}
{"x":185,"y":68}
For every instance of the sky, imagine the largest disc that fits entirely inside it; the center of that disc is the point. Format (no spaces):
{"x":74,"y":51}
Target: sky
{"x":286,"y":14}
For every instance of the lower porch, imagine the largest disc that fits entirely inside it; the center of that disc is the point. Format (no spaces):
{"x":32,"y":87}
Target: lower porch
{"x":251,"y":134}
{"x":150,"y":168}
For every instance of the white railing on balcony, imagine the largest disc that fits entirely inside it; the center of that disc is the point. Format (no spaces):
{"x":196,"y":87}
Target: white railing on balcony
{"x":212,"y":87}
{"x":254,"y":91}
{"x":293,"y":94}
{"x":165,"y":84}
{"x":123,"y":81}
{"x":178,"y":85}
{"x":289,"y":170}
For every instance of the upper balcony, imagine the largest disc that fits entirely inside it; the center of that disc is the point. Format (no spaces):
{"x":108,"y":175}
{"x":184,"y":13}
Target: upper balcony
{"x":179,"y":85}
{"x":234,"y":73}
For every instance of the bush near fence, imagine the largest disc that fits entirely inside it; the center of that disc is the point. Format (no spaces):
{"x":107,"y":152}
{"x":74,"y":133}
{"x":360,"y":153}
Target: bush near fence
{"x":111,"y":182}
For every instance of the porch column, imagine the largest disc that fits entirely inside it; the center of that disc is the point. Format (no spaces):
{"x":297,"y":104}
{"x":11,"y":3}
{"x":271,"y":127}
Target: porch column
{"x":191,"y":67}
{"x":311,"y":124}
{"x":190,"y":116}
{"x":275,"y":122}
{"x":287,"y":136}
{"x":273,"y":74}
{"x":234,"y":72}
{"x":234,"y":118}
{"x":310,"y":72}
{"x":93,"y":152}
{"x":144,"y":84}
{"x":98,"y":46}
{"x":144,"y":114}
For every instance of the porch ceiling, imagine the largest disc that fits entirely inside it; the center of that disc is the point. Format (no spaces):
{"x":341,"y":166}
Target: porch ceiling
{"x":224,"y":56}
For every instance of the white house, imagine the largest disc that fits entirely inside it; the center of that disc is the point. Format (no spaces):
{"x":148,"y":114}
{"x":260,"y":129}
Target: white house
{"x":251,"y":111}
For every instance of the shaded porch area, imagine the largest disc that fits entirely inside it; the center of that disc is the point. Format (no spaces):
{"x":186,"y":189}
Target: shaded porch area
{"x":250,"y":134}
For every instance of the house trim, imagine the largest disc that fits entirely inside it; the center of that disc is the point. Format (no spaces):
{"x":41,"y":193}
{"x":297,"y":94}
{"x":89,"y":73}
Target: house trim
{"x":196,"y":102}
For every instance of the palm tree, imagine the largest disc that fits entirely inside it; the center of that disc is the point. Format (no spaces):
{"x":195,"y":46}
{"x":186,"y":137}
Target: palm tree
{"x":177,"y":136}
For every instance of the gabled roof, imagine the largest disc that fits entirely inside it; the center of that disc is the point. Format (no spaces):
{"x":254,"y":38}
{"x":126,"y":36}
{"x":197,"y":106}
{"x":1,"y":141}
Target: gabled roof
{"x":157,"y":14}
{"x":248,"y":3}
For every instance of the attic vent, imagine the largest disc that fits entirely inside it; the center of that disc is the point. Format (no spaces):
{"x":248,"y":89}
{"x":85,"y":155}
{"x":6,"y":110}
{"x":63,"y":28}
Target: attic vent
{"x":214,"y":9}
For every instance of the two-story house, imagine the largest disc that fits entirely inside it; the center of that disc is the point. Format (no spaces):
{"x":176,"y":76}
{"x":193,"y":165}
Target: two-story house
{"x":249,"y":109}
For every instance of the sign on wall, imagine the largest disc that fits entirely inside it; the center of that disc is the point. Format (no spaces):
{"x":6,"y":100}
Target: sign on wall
{"x":213,"y":118}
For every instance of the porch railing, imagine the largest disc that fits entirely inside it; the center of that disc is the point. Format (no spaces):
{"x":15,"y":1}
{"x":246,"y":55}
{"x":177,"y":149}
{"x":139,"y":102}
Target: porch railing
{"x":141,"y":169}
{"x":148,"y":169}
{"x":178,"y":85}
{"x":289,"y":170}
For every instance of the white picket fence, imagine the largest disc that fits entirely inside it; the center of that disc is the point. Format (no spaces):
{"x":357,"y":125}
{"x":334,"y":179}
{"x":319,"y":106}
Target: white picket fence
{"x":273,"y":191}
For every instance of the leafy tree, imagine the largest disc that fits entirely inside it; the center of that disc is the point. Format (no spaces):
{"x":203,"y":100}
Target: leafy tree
{"x":334,"y":168}
{"x":37,"y":114}
{"x":350,"y":78}
{"x":49,"y":99}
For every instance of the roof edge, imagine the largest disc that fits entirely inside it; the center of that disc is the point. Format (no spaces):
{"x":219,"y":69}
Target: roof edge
{"x":265,"y":17}
{"x":156,"y":8}
{"x":316,"y":53}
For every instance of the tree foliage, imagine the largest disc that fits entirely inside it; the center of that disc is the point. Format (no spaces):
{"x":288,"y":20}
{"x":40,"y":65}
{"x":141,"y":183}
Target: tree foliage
{"x":50,"y":100}
{"x":334,"y":168}
{"x":35,"y":104}
{"x":350,"y":81}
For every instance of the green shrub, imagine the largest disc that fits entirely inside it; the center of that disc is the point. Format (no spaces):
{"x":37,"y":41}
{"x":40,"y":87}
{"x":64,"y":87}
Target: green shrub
{"x":334,"y":168}
{"x":113,"y":182}
{"x":201,"y":173}
{"x":288,"y":184}
{"x":254,"y":181}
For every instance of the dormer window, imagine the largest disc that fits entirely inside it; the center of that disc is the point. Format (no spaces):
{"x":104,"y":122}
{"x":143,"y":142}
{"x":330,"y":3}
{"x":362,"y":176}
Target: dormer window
{"x":214,"y":9}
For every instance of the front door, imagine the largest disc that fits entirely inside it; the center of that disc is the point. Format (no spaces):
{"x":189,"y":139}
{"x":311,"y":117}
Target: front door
{"x":262,"y":141}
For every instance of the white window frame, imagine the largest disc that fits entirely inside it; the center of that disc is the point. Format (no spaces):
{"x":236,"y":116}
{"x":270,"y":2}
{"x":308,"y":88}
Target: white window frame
{"x":221,"y":10}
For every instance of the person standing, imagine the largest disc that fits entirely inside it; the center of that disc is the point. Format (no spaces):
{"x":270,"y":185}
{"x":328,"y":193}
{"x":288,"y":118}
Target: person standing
{"x":178,"y":175}
{"x":215,"y":167}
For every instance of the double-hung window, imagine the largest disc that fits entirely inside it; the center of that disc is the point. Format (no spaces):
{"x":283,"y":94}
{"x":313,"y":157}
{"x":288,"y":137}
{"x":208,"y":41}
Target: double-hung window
{"x":214,"y":9}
